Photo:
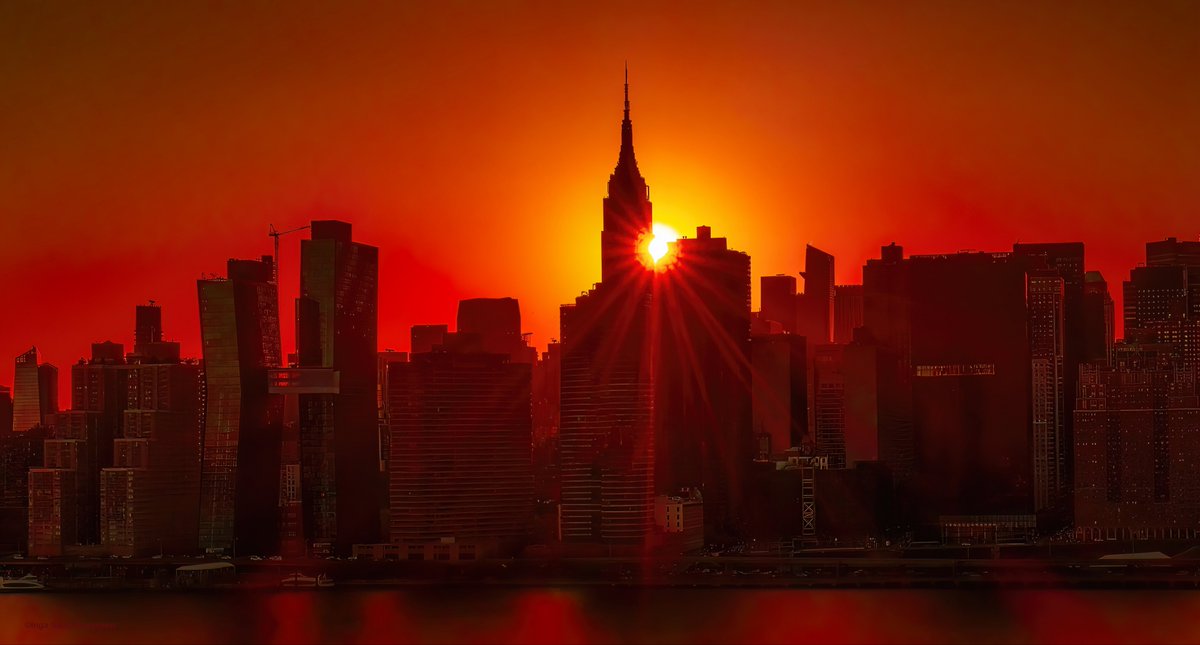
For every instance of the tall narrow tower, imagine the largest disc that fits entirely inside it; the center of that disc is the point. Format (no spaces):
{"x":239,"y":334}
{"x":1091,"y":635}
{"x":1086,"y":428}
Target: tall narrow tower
{"x":627,"y":209}
{"x":607,"y":397}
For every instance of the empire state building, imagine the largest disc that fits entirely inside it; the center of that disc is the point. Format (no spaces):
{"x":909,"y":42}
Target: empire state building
{"x":627,"y":210}
{"x":607,"y":395}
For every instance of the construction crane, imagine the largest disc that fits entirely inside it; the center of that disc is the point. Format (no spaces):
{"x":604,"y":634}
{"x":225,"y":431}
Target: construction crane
{"x":275,"y":233}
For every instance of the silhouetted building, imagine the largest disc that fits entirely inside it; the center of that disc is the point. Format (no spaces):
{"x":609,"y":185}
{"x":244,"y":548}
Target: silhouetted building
{"x":386,"y":357}
{"x":64,"y":492}
{"x":846,"y":404}
{"x":497,"y":322}
{"x":971,"y":385}
{"x":607,"y":395}
{"x":814,"y":314}
{"x":461,"y":465}
{"x":778,"y":294}
{"x":239,"y":327}
{"x":627,"y":212}
{"x":1172,"y":252}
{"x":1066,"y":260}
{"x":779,"y":389}
{"x":1098,"y":324}
{"x":1046,"y":302}
{"x":1162,"y":299}
{"x":338,"y":432}
{"x":19,"y":451}
{"x":887,"y":326}
{"x":1137,"y":440}
{"x":704,"y":437}
{"x":150,"y":496}
{"x":99,"y":385}
{"x":847,"y":312}
{"x":426,"y":337}
{"x":147,"y":325}
{"x":35,"y":391}
{"x":65,"y":504}
{"x":953,"y":359}
{"x":6,"y":410}
{"x":547,"y":460}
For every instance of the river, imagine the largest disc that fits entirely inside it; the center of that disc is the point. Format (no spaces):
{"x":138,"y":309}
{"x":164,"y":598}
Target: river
{"x":604,"y":615}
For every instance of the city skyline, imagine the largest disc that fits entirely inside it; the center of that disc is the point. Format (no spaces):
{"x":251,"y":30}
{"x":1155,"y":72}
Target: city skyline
{"x":1098,"y":160}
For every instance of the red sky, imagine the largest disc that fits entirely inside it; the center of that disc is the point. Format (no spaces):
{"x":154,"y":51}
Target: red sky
{"x":145,"y":143}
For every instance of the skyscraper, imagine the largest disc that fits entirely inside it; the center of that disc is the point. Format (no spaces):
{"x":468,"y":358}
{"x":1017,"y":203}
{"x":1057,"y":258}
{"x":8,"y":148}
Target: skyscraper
{"x":1098,"y":325}
{"x":779,"y":388}
{"x":971,"y":384}
{"x":1066,"y":260}
{"x":239,"y":328}
{"x":150,"y":496}
{"x":607,"y":389}
{"x":337,"y":315}
{"x":460,"y":464}
{"x":1162,"y":299}
{"x":704,"y":439}
{"x":627,"y":211}
{"x":778,"y":293}
{"x":35,"y":391}
{"x":887,"y":326}
{"x":497,"y":323}
{"x":1137,"y":440}
{"x":1047,"y":304}
{"x":952,"y":339}
{"x":847,"y":312}
{"x":846,"y":405}
{"x":814,"y":316}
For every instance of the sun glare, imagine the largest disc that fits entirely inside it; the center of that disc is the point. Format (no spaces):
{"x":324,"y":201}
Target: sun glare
{"x":661,"y":236}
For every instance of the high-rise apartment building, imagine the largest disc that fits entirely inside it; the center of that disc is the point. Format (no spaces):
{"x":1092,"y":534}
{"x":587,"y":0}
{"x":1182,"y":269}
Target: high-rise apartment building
{"x":150,"y":496}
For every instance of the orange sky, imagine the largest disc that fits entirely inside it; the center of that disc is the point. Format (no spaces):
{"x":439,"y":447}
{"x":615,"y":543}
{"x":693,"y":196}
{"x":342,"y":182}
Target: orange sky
{"x":144,"y":143}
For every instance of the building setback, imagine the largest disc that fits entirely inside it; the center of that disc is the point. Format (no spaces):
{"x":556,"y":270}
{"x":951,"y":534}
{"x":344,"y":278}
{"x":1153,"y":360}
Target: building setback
{"x":150,"y":497}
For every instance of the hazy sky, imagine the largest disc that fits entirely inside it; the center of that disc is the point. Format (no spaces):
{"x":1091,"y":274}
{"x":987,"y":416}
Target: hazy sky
{"x":144,"y":143}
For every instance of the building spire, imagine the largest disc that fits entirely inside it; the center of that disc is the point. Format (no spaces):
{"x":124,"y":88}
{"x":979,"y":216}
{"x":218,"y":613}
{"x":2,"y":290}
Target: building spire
{"x":626,"y":90}
{"x":626,"y":157}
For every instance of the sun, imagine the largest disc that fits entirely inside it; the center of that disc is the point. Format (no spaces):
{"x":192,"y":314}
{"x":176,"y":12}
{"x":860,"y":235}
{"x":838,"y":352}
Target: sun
{"x":661,"y":237}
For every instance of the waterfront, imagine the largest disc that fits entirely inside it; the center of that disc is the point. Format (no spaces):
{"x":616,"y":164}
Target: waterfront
{"x":605,"y":615}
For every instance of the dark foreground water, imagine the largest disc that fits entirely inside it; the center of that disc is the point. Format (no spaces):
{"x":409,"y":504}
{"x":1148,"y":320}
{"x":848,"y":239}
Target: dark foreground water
{"x":605,"y":615}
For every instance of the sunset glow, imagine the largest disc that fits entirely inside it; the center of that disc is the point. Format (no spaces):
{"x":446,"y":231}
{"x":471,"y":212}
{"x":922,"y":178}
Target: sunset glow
{"x":660,"y":240}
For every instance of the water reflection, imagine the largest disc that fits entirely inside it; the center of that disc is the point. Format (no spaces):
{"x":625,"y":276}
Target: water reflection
{"x":604,"y":615}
